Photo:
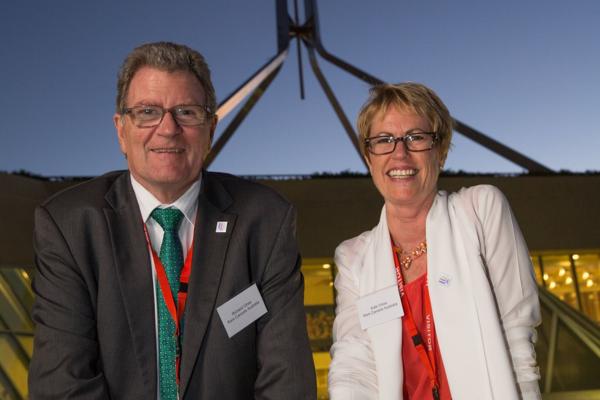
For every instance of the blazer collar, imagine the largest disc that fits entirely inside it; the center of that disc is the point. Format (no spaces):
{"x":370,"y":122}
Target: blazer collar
{"x":121,"y":194}
{"x":214,"y":192}
{"x":132,"y":262}
{"x":210,"y":249}
{"x":378,"y":273}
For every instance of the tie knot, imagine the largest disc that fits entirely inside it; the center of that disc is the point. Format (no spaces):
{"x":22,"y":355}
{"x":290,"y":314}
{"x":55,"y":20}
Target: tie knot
{"x":168,"y":218}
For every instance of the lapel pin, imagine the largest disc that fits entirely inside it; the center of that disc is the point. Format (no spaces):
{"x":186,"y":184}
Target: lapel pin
{"x":221,"y":227}
{"x":444,"y":280}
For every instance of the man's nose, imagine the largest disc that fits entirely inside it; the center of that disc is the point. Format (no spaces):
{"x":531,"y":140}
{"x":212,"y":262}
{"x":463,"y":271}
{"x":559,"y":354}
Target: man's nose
{"x":169,"y":125}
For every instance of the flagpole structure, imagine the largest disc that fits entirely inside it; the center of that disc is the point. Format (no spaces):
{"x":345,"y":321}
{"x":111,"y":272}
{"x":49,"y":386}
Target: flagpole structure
{"x":309,"y":35}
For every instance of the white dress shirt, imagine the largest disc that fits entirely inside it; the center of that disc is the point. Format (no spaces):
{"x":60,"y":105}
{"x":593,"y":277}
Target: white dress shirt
{"x":188,"y":205}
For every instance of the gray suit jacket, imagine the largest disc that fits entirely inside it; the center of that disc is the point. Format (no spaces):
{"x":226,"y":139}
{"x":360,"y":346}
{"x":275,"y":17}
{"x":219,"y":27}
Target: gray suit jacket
{"x":94,"y":307}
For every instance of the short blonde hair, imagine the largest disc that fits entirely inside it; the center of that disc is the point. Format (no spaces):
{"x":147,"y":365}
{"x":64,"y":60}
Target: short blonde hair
{"x":409,"y":97}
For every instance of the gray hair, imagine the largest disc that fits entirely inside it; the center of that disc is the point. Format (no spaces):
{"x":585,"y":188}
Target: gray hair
{"x":169,"y":57}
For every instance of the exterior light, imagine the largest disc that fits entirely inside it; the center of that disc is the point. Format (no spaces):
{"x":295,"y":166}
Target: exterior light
{"x":585,"y":275}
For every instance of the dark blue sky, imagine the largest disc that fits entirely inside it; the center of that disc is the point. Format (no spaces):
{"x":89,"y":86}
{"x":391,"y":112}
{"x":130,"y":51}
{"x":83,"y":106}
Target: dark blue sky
{"x":523,"y":72}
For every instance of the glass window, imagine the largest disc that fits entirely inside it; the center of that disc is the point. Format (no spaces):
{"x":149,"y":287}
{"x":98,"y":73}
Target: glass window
{"x":13,"y":365}
{"x":319,"y":305}
{"x":559,"y":279}
{"x":12,"y":311}
{"x":588,"y":278}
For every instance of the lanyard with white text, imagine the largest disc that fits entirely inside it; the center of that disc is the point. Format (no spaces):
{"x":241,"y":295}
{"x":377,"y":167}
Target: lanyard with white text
{"x":426,"y":355}
{"x":176,"y":312}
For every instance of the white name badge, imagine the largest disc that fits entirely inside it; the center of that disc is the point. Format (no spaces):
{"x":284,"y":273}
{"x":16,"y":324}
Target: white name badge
{"x":379,"y":307}
{"x":242,"y":310}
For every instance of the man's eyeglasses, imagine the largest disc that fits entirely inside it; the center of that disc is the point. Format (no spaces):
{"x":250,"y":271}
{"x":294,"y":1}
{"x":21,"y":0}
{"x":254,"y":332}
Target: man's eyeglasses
{"x":385,"y":144}
{"x":184,"y":115}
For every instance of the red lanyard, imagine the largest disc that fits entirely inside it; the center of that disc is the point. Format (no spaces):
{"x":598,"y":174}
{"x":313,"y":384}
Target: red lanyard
{"x":426,"y":355}
{"x":176,"y":312}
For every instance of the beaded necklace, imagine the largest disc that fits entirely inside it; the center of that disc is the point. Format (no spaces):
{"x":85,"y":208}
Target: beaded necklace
{"x":416,"y":253}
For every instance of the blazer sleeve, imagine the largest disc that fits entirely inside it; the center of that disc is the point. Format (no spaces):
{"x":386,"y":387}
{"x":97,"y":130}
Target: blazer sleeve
{"x":66,"y":353}
{"x":286,"y":367}
{"x":352,"y":372}
{"x":514,"y":283}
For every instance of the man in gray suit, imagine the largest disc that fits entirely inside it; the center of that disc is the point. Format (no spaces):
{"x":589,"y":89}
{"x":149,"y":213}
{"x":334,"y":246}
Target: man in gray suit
{"x":109,"y":314}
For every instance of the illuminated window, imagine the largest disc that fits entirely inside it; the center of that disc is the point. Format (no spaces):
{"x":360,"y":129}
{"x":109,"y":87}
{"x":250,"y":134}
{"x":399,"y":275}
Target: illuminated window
{"x":555,"y":272}
{"x":319,"y":304}
{"x":588,"y":278}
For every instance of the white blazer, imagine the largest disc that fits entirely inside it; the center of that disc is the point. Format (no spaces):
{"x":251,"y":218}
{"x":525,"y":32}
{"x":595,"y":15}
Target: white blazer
{"x":484,"y":318}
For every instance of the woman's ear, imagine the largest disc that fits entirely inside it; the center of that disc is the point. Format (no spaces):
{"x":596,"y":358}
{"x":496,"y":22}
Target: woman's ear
{"x":442,"y":162}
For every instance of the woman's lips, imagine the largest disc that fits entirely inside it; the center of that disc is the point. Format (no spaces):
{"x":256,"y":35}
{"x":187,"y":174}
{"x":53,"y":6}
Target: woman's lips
{"x":402,"y":173}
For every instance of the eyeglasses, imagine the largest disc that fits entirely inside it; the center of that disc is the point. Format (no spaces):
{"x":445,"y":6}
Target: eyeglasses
{"x":184,"y":115}
{"x":385,"y":144}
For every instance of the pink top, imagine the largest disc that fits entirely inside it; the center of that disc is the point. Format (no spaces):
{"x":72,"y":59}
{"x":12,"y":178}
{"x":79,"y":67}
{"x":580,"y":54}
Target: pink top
{"x":417,"y":385}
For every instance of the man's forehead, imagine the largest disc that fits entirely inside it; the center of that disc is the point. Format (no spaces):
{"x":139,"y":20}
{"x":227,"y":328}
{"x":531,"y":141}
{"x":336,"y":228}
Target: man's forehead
{"x":150,"y":84}
{"x":146,"y":74}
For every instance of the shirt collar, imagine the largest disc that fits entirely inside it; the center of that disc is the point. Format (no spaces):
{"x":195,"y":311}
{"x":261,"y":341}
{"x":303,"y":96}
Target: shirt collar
{"x":187,"y":203}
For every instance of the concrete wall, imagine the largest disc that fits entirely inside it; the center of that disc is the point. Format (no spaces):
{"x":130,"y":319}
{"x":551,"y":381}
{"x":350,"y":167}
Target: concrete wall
{"x":19,"y":196}
{"x":554,"y":212}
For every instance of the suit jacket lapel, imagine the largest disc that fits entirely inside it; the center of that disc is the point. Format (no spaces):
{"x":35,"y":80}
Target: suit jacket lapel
{"x":378,"y":273}
{"x":210,"y":249}
{"x":133,"y":268}
{"x":454,"y":306}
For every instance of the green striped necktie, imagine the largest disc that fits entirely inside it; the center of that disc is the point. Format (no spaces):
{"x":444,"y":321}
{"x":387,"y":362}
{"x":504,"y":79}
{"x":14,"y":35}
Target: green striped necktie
{"x":171,"y":256}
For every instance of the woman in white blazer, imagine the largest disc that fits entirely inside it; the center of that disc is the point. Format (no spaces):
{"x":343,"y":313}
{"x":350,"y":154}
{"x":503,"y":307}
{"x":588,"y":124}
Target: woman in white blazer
{"x":456,"y":263}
